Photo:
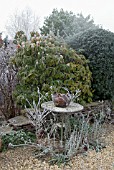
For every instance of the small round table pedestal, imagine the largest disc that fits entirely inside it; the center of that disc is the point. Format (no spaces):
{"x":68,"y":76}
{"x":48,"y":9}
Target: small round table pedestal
{"x":64,"y":113}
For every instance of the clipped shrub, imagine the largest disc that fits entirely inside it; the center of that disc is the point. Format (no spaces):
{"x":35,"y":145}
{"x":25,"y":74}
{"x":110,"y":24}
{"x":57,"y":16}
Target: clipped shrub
{"x":45,"y":64}
{"x":98,"y":46}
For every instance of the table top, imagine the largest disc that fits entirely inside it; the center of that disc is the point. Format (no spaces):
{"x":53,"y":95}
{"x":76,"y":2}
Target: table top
{"x":72,"y":108}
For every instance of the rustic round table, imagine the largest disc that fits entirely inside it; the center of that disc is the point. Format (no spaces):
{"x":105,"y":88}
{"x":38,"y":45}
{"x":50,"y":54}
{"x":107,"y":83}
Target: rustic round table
{"x":72,"y":108}
{"x":64,"y":113}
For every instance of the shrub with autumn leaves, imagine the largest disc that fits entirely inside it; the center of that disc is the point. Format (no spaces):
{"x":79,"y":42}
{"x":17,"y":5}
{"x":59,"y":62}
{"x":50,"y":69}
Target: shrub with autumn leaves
{"x":46,"y":64}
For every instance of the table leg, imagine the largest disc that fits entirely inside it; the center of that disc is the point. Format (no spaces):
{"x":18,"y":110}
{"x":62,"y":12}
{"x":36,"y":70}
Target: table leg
{"x":62,"y":122}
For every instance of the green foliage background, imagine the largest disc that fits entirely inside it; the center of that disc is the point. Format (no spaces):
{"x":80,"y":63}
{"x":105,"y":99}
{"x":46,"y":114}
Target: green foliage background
{"x":45,"y":63}
{"x":98,"y":46}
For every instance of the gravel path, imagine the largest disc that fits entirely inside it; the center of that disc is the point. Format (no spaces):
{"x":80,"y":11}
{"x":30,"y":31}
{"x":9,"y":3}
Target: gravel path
{"x":22,"y":158}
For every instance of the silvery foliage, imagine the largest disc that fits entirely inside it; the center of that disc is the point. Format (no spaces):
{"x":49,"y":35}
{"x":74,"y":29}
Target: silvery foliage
{"x":73,"y":96}
{"x":36,"y":114}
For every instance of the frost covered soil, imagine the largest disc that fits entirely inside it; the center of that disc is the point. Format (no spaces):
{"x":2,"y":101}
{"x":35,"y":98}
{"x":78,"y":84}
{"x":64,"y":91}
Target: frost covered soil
{"x":22,"y":158}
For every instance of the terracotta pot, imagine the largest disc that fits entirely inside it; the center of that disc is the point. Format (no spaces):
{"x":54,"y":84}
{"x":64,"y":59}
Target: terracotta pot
{"x":61,"y":100}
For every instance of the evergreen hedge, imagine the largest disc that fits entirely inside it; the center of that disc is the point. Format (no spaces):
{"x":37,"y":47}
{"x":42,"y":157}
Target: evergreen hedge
{"x":98,"y":46}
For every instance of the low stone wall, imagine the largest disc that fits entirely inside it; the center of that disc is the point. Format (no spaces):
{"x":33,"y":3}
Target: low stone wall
{"x":92,"y":109}
{"x":95,"y":108}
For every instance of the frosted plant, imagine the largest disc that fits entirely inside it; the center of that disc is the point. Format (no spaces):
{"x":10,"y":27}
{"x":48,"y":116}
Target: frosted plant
{"x":73,"y":96}
{"x":36,"y":114}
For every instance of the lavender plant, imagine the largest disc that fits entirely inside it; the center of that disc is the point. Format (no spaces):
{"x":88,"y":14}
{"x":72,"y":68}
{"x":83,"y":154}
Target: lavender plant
{"x":36,"y":114}
{"x":84,"y":135}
